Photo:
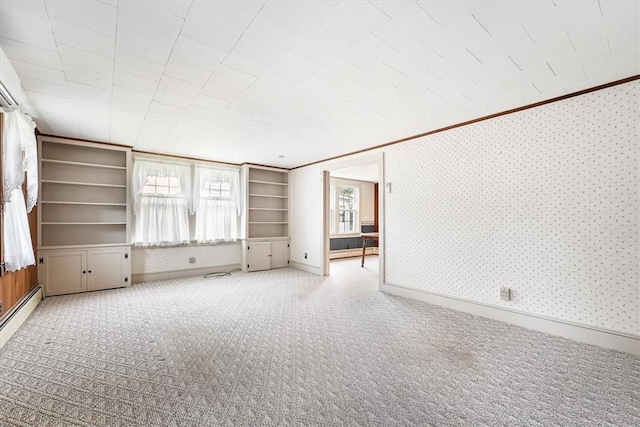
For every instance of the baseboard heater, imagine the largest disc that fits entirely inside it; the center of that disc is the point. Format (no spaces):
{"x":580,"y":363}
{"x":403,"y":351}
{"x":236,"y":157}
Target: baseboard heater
{"x":10,"y":323}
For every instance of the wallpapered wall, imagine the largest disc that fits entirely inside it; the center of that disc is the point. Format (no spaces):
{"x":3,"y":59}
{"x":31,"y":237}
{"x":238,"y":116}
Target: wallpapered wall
{"x":544,"y":201}
{"x":160,"y":260}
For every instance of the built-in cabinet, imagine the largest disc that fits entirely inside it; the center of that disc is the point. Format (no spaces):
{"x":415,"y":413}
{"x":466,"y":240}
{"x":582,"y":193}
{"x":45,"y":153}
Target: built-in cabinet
{"x":266,"y":218}
{"x":83,"y":216}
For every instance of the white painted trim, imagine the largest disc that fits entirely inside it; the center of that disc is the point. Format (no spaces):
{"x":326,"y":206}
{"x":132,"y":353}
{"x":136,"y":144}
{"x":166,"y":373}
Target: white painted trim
{"x":306,"y":267}
{"x":178,"y":274}
{"x":606,"y":338}
{"x":17,"y":318}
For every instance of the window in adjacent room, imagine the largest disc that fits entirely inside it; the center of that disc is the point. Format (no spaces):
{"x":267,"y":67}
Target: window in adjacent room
{"x":345,"y":218}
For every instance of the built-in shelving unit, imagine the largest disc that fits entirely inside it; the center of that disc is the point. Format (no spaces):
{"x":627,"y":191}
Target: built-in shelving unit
{"x":83,"y":215}
{"x":268,"y":202}
{"x":266,"y":222}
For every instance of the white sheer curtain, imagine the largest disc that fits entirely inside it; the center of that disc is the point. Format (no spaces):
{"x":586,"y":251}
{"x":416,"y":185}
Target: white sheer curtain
{"x":162,"y":201}
{"x":216,"y":200}
{"x":19,"y":155}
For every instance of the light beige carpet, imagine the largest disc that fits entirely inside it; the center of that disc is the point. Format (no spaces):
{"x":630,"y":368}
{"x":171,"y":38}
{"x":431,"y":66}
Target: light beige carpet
{"x":285,"y":347}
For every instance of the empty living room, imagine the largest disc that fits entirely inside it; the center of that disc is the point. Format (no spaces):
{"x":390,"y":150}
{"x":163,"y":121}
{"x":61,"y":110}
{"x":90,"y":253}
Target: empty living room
{"x":319,"y":213}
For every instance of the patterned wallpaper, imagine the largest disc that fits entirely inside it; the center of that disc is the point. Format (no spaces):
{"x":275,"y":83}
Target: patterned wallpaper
{"x":544,"y":201}
{"x":158,"y":260}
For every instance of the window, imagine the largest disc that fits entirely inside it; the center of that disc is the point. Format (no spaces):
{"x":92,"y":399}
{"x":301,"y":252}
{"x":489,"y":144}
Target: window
{"x":216,"y":203}
{"x":344,"y":219}
{"x":156,"y":185}
{"x":162,"y":201}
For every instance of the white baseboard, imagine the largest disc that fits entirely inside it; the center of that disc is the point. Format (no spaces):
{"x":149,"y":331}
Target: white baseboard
{"x":18,"y":315}
{"x":177,"y":274}
{"x":606,"y":338}
{"x":305,"y":267}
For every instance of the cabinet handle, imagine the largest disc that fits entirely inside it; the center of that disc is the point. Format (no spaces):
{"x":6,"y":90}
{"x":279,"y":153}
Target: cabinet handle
{"x":89,"y":271}
{"x":84,"y":271}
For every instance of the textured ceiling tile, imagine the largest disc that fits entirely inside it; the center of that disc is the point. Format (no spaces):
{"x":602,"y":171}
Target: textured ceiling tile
{"x":175,"y":7}
{"x":31,"y":11}
{"x":411,"y":26}
{"x":391,"y":8}
{"x":138,"y":66}
{"x":143,"y":46}
{"x":197,"y":53}
{"x":135,"y":83}
{"x":261,"y":45}
{"x":275,"y":82}
{"x":232,"y":77}
{"x":295,"y":66}
{"x":86,"y":77}
{"x":220,"y":91}
{"x":128,"y":106}
{"x":352,"y":20}
{"x":219,"y":24}
{"x":320,"y":45}
{"x":172,"y":99}
{"x":339,"y":72}
{"x":24,"y":69}
{"x":83,"y":38}
{"x":207,"y":102}
{"x":179,"y":87}
{"x":188,"y":72}
{"x":130,"y":95}
{"x":86,"y":60}
{"x":45,"y":88}
{"x":368,"y":52}
{"x":78,"y":89}
{"x":97,"y":16}
{"x":594,"y":53}
{"x":26,"y":32}
{"x":146,"y":19}
{"x":30,"y":54}
{"x":295,"y":16}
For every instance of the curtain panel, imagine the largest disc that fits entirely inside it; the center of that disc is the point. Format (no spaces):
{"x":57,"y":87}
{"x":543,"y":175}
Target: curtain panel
{"x":216,"y":203}
{"x":19,"y":156}
{"x":161,"y":211}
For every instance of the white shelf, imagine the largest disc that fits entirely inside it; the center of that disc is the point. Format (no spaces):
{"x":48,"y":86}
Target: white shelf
{"x":84,"y":184}
{"x":100,"y":245}
{"x":269,"y":196}
{"x":268,"y":209}
{"x":84,"y":223}
{"x":268,"y":182}
{"x":53,"y":202}
{"x":91,"y":165}
{"x":267,"y":222}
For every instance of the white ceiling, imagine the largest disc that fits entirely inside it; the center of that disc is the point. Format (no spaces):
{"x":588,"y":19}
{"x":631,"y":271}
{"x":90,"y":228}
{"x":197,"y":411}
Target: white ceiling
{"x":250,"y":80}
{"x":367,"y":172}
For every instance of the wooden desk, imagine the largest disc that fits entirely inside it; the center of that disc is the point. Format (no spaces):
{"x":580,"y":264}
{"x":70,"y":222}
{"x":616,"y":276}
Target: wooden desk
{"x":365,"y":237}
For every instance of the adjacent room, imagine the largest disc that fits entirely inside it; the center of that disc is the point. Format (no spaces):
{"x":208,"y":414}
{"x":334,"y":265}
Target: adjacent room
{"x":359,"y":213}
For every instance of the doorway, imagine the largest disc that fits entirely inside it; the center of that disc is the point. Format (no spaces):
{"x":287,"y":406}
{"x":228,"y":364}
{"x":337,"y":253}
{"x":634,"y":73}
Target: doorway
{"x":353,"y":217}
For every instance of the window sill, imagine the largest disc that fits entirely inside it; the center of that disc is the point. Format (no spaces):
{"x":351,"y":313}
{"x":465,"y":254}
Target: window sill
{"x":344,"y":236}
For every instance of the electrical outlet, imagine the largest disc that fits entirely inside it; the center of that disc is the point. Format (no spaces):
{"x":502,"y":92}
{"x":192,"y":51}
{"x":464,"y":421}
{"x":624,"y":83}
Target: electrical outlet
{"x":505,"y":293}
{"x":305,"y":255}
{"x":192,"y":260}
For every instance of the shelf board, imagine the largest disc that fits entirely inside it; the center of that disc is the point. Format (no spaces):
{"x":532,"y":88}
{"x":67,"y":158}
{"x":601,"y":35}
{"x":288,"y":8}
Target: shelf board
{"x":268,"y":182}
{"x":269,"y":196}
{"x":88,"y":184}
{"x":267,"y":222}
{"x":83,"y":223}
{"x":91,"y":165}
{"x":55,"y":202}
{"x":268,"y":209}
{"x":94,"y":245}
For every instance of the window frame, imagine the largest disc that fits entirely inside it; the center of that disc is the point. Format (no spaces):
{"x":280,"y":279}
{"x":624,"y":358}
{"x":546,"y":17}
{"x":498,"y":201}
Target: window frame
{"x":335,"y":210}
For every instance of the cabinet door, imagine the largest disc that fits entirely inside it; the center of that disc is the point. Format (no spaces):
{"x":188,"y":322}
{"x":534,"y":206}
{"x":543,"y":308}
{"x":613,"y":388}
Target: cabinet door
{"x":279,"y":254}
{"x":105,"y":269}
{"x":259,"y":254}
{"x":63,"y":272}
